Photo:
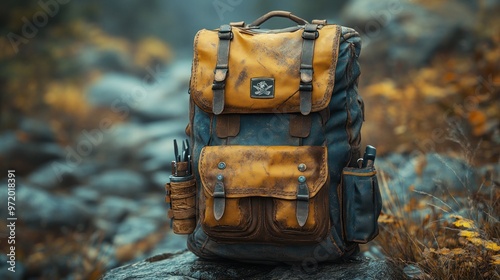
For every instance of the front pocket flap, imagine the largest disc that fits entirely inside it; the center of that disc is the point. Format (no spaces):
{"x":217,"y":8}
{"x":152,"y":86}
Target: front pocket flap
{"x":265,"y":171}
{"x":272,"y":61}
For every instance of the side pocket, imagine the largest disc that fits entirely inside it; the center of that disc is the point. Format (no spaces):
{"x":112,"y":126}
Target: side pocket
{"x":181,"y":194}
{"x":362,"y":204}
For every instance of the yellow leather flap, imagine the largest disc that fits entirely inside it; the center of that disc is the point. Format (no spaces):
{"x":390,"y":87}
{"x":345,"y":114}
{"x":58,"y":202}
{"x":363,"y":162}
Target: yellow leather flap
{"x":264,"y":55}
{"x":265,"y":171}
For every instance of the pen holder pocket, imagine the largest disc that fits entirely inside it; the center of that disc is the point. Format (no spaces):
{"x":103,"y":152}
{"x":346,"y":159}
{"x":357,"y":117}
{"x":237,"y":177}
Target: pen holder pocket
{"x":362,"y":204}
{"x":181,"y":194}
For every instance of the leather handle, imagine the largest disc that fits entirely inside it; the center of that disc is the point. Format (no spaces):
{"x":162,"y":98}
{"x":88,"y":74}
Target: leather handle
{"x":271,"y":14}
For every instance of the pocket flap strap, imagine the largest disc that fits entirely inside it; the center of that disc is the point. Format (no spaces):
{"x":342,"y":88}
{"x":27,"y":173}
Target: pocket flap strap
{"x":219,"y":198}
{"x":302,"y":210}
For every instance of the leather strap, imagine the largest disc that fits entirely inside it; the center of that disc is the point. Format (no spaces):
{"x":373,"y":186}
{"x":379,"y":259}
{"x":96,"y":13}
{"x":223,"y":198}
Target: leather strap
{"x":227,"y":125}
{"x":219,"y":198}
{"x":300,"y":125}
{"x":306,"y":67}
{"x":302,"y":211}
{"x":221,"y":69}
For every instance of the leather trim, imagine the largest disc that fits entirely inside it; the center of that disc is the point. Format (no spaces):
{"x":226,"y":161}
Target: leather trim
{"x":227,"y":125}
{"x":300,"y":125}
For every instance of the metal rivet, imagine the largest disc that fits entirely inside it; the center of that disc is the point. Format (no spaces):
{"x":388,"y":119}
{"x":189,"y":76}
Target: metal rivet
{"x":302,"y":179}
{"x":302,"y":167}
{"x":220,"y":177}
{"x":221,"y":165}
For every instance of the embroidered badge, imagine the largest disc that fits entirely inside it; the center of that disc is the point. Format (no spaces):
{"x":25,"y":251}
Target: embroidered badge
{"x":262,"y":88}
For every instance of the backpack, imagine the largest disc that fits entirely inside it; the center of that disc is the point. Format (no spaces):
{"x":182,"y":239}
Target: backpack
{"x":272,"y":174}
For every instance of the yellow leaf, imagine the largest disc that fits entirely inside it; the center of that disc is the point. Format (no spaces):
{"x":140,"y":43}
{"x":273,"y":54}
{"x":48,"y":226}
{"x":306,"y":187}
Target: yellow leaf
{"x":452,"y":252}
{"x":490,"y":245}
{"x":495,"y":259}
{"x":387,"y":219}
{"x":385,"y":88}
{"x":476,"y":241}
{"x":477,"y":120}
{"x":458,"y":251}
{"x":468,"y":233}
{"x":463,"y":222}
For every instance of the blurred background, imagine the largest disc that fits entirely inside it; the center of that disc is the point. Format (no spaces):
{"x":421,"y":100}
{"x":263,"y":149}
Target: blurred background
{"x":92,"y":93}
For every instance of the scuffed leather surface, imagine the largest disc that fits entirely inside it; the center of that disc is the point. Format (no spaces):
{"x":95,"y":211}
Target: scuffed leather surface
{"x":261,"y":191}
{"x":264,"y":171}
{"x":254,"y":55}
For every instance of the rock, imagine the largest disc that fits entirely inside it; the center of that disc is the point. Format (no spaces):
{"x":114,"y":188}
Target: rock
{"x":158,"y":155}
{"x":403,"y":33}
{"x":111,"y":89}
{"x":120,"y":182}
{"x":41,"y":209}
{"x":160,"y":178}
{"x":67,"y":172}
{"x":415,"y":272}
{"x":125,"y":141}
{"x":37,"y":130}
{"x":115,"y":209}
{"x":46,"y":177}
{"x":171,"y":243}
{"x":92,"y":58}
{"x":434,"y":179}
{"x":439,"y":174}
{"x":135,"y":236}
{"x":163,"y":97}
{"x":19,"y":269}
{"x":88,"y":196}
{"x":22,"y":154}
{"x":153,"y":207}
{"x":185,"y":265}
{"x":133,"y":135}
{"x":111,"y":212}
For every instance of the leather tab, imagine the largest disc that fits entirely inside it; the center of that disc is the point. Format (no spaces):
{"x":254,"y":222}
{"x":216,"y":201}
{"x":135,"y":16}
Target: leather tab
{"x":227,"y":125}
{"x":218,"y":103}
{"x":302,"y":211}
{"x":305,"y":102}
{"x":319,"y":21}
{"x":219,"y":198}
{"x":300,"y":125}
{"x":237,"y":24}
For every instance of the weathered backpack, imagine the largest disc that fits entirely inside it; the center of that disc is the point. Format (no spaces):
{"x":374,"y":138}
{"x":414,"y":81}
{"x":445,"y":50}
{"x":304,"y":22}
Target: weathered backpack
{"x":275,"y":121}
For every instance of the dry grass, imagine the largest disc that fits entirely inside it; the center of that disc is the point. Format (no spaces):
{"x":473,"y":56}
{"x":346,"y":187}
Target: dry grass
{"x":53,"y":254}
{"x":444,"y":244}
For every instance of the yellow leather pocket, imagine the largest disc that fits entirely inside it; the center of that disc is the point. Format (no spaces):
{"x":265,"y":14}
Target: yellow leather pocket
{"x":266,"y":194}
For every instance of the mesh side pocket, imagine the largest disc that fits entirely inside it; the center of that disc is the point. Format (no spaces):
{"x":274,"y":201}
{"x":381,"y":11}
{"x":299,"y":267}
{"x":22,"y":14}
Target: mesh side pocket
{"x":181,"y":193}
{"x":362,"y":204}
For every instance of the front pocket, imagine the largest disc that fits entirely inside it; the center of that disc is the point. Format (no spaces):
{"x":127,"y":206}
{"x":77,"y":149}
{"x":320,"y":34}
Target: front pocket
{"x":362,"y":204}
{"x":265,"y":194}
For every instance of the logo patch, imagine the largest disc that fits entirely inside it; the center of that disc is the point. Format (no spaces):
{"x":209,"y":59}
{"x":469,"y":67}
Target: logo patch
{"x":262,"y":88}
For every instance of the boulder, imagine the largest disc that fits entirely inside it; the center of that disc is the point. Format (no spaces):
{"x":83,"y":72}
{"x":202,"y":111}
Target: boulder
{"x":120,"y":182}
{"x":185,"y":265}
{"x":405,"y":34}
{"x":42,"y":209}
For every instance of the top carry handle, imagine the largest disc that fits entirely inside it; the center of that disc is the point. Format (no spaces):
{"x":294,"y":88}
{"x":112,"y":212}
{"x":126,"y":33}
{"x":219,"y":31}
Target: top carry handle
{"x":284,"y":14}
